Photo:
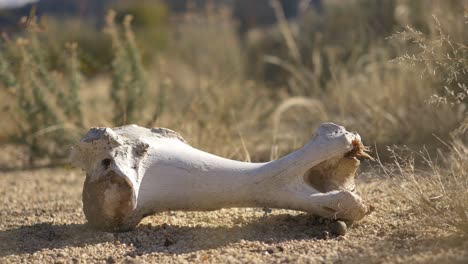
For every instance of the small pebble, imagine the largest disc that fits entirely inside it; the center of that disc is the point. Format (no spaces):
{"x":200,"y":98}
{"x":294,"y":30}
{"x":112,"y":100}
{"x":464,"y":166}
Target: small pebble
{"x":111,"y":260}
{"x":338,"y":228}
{"x":273,"y":250}
{"x":324,"y":235}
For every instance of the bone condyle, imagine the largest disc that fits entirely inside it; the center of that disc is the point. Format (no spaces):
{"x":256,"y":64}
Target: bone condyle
{"x":133,"y":172}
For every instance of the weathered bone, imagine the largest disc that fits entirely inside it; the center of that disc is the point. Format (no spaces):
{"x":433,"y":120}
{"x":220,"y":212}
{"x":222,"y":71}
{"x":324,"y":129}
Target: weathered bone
{"x":133,"y":172}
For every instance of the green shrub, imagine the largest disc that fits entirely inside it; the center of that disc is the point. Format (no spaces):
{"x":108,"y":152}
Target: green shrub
{"x":94,"y":53}
{"x":150,"y":24}
{"x":129,"y":85}
{"x":46,"y":112}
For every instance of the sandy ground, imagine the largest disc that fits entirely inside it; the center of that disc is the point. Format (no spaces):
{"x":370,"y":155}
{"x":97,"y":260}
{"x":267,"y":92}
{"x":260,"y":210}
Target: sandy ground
{"x":42,"y":221}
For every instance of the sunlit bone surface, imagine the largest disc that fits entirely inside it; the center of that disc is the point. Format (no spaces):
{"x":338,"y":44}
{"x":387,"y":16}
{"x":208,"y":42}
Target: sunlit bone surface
{"x":133,"y":172}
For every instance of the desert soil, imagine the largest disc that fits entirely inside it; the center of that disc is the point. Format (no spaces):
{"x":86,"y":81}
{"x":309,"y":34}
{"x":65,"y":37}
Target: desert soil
{"x":42,"y":221}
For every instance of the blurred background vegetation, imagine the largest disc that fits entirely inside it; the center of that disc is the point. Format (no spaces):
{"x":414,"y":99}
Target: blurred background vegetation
{"x":249,"y":80}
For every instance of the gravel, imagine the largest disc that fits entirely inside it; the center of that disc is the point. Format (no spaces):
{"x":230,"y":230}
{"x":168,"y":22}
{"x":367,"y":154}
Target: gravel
{"x":42,"y":222}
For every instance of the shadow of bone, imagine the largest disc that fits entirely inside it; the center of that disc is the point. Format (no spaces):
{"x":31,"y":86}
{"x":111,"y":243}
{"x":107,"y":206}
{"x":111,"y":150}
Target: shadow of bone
{"x":147,"y":238}
{"x":29,"y":239}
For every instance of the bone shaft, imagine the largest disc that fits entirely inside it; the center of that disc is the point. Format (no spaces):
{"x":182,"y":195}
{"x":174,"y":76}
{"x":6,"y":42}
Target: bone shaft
{"x":187,"y":178}
{"x":184,"y":177}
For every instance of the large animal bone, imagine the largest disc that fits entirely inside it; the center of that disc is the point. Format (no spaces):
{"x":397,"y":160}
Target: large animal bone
{"x":133,"y":172}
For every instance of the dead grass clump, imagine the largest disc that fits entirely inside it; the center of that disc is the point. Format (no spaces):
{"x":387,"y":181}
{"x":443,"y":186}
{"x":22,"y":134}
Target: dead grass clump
{"x":361,"y":89}
{"x":439,"y":190}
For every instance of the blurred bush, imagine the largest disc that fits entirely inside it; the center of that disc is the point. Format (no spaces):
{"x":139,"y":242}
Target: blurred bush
{"x":43,"y":81}
{"x":45,"y":108}
{"x":94,"y":52}
{"x":150,"y":25}
{"x":269,"y":88}
{"x":129,"y":85}
{"x":208,"y":43}
{"x":342,"y":58}
{"x":340,"y":32}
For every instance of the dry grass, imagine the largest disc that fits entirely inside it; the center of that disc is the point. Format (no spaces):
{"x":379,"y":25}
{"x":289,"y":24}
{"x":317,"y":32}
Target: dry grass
{"x":200,"y":86}
{"x":437,"y":187}
{"x":440,"y":192}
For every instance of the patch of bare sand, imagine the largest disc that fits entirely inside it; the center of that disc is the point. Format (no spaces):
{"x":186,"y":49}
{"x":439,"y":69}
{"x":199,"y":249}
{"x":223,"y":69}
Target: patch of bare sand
{"x":42,"y":221}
